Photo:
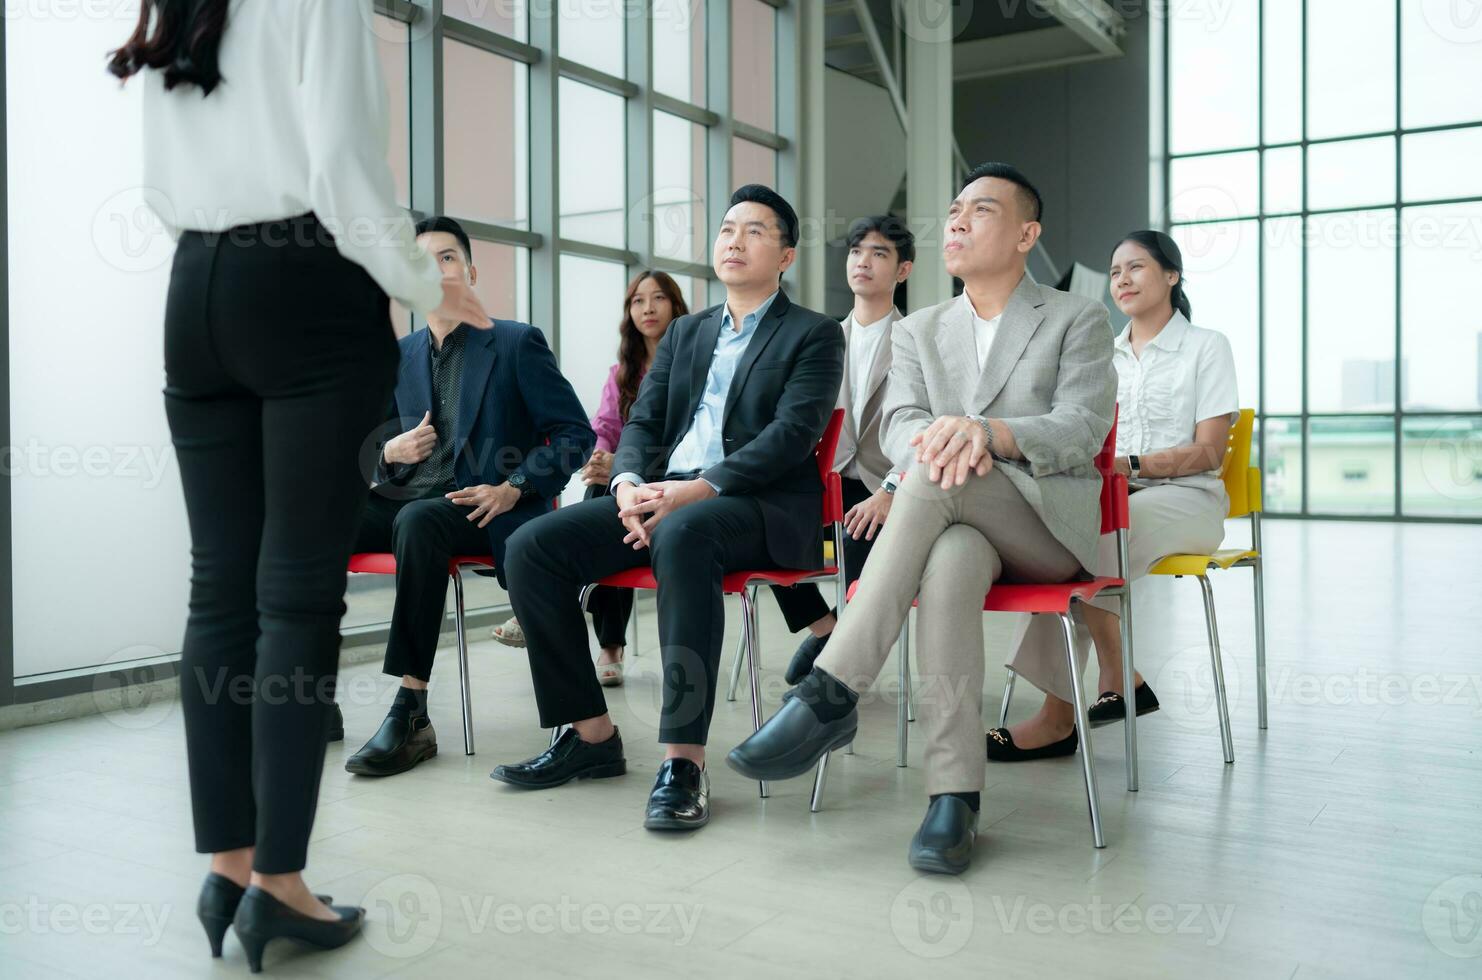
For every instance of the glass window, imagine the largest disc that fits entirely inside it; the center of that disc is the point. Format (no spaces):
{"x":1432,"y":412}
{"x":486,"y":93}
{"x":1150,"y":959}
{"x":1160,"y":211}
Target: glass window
{"x":1440,"y":314}
{"x":696,"y":292}
{"x":1281,"y":189}
{"x":1441,"y":467}
{"x":679,"y":49}
{"x":505,"y":17}
{"x":1350,"y":67}
{"x":592,"y":293}
{"x":1351,"y":465}
{"x":1220,"y":266}
{"x":754,"y":63}
{"x":1353,"y":173}
{"x":680,"y":230}
{"x":752,"y":163}
{"x":1206,"y":111}
{"x":504,"y":281}
{"x":1206,"y":188}
{"x":593,"y":173}
{"x":1282,"y":65}
{"x":392,"y":40}
{"x":1281,"y":467}
{"x":1444,"y":165}
{"x":1440,"y":51}
{"x":592,"y":33}
{"x":1350,"y":316}
{"x":485,"y":136}
{"x":1281,"y":357}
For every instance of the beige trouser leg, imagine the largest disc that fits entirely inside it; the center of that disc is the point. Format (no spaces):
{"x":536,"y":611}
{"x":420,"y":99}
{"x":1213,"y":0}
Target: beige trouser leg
{"x":1014,"y":543}
{"x":1163,"y":520}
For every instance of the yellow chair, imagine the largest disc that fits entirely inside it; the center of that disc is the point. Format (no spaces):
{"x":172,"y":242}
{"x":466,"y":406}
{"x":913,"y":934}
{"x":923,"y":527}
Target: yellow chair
{"x":1243,"y":485}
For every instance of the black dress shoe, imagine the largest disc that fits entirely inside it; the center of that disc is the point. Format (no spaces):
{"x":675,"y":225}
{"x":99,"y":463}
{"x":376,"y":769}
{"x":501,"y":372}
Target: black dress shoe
{"x":261,"y":917}
{"x":570,"y":758}
{"x":944,"y":842}
{"x":399,"y":744}
{"x":1001,"y":748}
{"x":791,"y":742}
{"x":336,"y":731}
{"x":804,"y":658}
{"x":680,"y":799}
{"x":218,"y":903}
{"x":1110,"y":708}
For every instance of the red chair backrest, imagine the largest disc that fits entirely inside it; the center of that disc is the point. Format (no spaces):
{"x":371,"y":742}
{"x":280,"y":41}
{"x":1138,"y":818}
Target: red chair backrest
{"x":1113,"y":484}
{"x":823,"y":455}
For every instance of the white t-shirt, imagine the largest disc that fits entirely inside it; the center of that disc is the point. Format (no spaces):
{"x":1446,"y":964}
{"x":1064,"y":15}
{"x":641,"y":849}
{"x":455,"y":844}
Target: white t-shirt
{"x":299,"y":123}
{"x":983,"y":331}
{"x":864,"y":347}
{"x":1185,"y":375}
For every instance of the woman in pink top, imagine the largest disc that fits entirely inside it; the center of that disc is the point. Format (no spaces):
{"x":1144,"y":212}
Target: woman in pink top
{"x":652,"y":302}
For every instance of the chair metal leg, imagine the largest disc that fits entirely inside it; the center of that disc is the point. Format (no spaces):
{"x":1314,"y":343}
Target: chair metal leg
{"x":749,"y":624}
{"x":556,"y":733}
{"x":1260,"y":599}
{"x":1008,"y":695}
{"x":820,"y":775}
{"x":740,"y":653}
{"x":1217,"y":663}
{"x":636,"y":646}
{"x":903,"y":708}
{"x":1129,"y":672}
{"x":1083,"y":729}
{"x":465,"y":694}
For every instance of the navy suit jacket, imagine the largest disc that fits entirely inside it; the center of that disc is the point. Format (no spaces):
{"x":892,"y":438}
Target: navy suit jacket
{"x":516,"y":412}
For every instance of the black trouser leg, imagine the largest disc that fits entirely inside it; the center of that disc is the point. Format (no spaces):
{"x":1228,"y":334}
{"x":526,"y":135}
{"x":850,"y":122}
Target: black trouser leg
{"x":804,"y":605}
{"x":693,"y":548}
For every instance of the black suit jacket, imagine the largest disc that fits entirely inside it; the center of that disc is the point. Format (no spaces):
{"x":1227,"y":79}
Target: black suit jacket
{"x":785,"y":388}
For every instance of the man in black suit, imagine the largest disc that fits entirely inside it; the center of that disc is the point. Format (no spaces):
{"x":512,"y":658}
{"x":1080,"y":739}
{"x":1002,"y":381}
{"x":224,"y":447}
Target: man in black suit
{"x":715,"y":473}
{"x":495,"y":432}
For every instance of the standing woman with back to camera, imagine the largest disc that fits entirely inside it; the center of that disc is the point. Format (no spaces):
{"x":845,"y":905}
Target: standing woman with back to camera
{"x":265,"y":139}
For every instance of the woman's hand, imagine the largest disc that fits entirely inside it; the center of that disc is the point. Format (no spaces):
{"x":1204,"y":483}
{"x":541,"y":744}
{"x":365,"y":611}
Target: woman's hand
{"x":461,"y":305}
{"x":598,"y":470}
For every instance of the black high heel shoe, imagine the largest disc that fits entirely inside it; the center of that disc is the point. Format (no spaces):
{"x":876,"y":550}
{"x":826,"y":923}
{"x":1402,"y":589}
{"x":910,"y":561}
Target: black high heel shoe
{"x":218,"y":903}
{"x":261,"y":917}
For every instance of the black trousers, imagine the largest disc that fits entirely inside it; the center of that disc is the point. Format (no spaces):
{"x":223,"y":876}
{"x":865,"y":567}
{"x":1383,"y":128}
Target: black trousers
{"x":423,"y":535}
{"x":609,"y":607}
{"x":804,"y":604}
{"x":551,"y":558}
{"x":279,"y":365}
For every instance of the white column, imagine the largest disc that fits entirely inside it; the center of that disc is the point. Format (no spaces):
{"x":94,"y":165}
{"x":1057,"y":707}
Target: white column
{"x":930,"y":187}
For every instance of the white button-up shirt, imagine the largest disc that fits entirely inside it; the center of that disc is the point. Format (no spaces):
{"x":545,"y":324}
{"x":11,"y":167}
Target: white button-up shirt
{"x":1185,"y":375}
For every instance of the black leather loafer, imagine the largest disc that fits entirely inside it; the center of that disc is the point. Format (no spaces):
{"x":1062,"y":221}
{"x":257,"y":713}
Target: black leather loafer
{"x":804,"y":657}
{"x":336,"y":730}
{"x":680,"y":799}
{"x":791,"y":742}
{"x":570,"y":758}
{"x":1001,"y":748}
{"x":944,"y":842}
{"x":398,"y":745}
{"x":260,"y":917}
{"x":1110,"y":708}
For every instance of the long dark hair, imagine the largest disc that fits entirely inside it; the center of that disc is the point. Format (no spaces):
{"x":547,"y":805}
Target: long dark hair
{"x":183,"y":44}
{"x":632,"y":347}
{"x":1164,"y":251}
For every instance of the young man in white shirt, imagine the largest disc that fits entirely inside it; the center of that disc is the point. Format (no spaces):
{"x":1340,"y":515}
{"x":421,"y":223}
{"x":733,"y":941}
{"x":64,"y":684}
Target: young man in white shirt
{"x":881,"y":250}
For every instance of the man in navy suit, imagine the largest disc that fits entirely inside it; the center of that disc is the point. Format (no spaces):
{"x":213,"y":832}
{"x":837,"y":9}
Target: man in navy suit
{"x":496,"y":433}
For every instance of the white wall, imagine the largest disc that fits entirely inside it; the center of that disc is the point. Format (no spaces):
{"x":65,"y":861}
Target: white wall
{"x":100,"y":548}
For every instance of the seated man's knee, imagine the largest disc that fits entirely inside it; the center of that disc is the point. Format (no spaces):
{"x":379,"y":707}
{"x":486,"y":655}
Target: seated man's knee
{"x":413,"y":523}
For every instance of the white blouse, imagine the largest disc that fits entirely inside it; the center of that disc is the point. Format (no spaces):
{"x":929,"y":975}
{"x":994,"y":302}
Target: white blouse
{"x":299,"y":123}
{"x":1185,"y":375}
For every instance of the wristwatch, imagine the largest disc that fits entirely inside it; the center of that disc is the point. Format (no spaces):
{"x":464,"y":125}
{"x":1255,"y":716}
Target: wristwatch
{"x":987,"y":431}
{"x":890,"y":484}
{"x":1134,"y":464}
{"x":518,"y":480}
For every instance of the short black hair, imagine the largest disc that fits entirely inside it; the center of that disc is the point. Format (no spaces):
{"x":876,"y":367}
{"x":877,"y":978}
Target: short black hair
{"x":889,"y":227}
{"x":1029,"y":196}
{"x":439,"y":222}
{"x":765,"y":196}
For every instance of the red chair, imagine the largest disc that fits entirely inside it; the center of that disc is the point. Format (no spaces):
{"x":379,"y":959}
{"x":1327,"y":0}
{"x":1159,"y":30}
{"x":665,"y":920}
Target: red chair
{"x":745,"y":583}
{"x":1059,"y":599}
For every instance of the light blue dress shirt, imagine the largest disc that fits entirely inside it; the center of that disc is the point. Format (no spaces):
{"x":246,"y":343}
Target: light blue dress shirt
{"x":702,"y":446}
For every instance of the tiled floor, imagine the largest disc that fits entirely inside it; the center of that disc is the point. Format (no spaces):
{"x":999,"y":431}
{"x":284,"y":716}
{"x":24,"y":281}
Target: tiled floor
{"x":1346,"y":841}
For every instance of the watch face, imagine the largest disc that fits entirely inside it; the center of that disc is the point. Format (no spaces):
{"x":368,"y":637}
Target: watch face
{"x":517,"y":480}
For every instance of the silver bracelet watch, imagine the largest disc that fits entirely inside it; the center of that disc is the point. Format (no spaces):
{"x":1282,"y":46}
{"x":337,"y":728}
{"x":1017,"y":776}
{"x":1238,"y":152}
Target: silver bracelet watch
{"x":987,"y":431}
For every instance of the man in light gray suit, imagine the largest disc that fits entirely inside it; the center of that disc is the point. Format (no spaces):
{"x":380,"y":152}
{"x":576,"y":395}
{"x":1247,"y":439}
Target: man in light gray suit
{"x":881,"y":251}
{"x":1003,"y":396}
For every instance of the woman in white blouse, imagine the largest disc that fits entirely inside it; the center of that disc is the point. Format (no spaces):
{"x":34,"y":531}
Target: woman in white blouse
{"x":265,"y":140}
{"x":1176,"y":401}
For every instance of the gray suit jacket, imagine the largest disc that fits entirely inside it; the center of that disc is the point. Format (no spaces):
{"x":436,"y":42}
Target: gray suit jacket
{"x":859,"y":443}
{"x":1049,"y":378}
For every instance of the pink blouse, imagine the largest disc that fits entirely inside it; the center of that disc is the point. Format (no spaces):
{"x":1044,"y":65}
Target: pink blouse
{"x":607,"y":423}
